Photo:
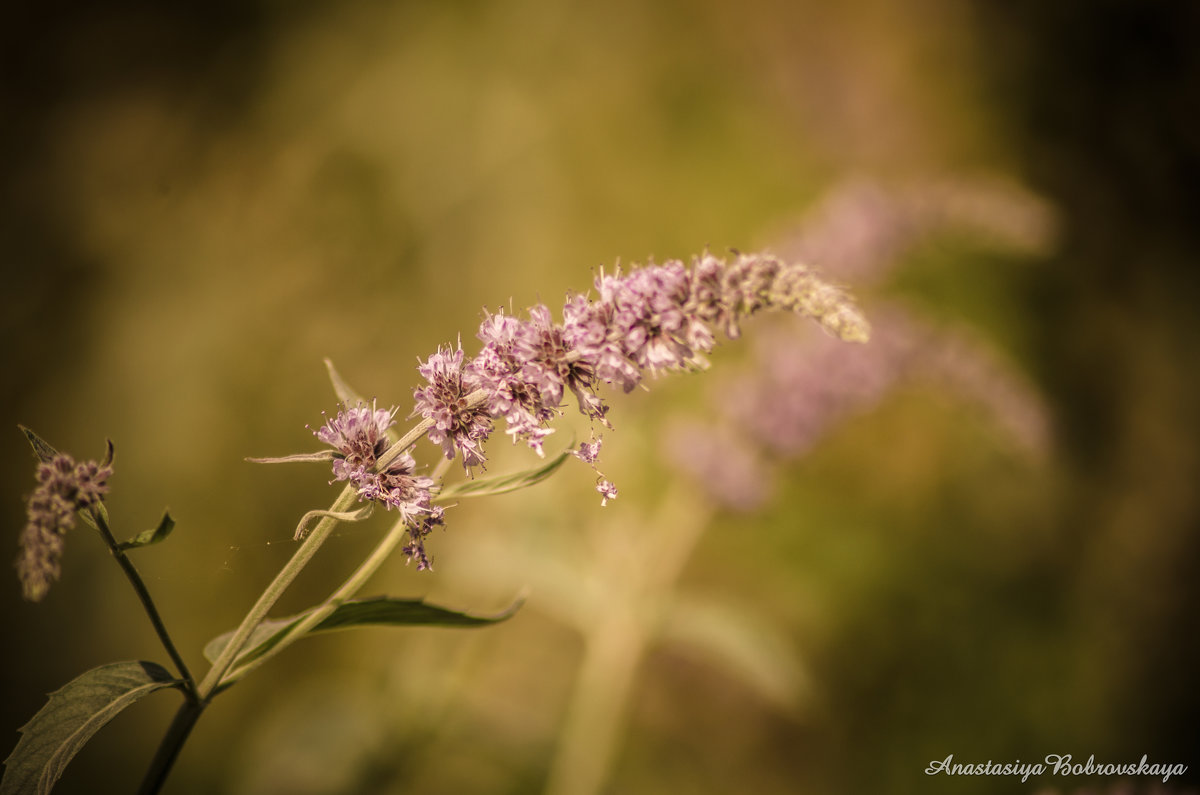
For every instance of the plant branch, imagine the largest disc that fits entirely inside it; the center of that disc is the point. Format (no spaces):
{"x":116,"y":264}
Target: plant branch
{"x":143,"y":594}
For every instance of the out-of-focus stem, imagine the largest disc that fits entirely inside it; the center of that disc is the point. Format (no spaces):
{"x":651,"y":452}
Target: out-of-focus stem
{"x":616,"y":641}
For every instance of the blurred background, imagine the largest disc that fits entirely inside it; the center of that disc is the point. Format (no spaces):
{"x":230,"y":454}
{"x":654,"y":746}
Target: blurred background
{"x":828,"y":566}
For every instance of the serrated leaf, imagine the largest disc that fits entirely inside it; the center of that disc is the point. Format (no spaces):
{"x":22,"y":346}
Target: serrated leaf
{"x":500,"y":484}
{"x":379,"y":611}
{"x":747,"y":647}
{"x":152,"y":536}
{"x":71,"y":717}
{"x":41,"y":448}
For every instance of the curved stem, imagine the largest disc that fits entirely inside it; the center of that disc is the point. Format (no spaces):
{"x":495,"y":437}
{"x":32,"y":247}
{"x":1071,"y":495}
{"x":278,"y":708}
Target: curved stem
{"x":339,"y":597}
{"x":143,"y":594}
{"x":172,"y":743}
{"x":271,"y":595}
{"x":216,"y":680}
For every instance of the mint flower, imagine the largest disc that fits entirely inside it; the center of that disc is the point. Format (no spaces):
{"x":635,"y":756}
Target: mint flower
{"x":457,"y":425}
{"x":653,"y":319}
{"x":500,"y":369}
{"x":358,"y":435}
{"x":64,"y":487}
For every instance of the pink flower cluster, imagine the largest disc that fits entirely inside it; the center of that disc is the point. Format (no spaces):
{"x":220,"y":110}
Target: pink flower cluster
{"x":654,"y":319}
{"x":358,"y":435}
{"x":64,"y":487}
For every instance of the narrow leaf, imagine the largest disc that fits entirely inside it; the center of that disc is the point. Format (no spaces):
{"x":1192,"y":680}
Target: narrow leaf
{"x":151,"y":536}
{"x":381,"y":611}
{"x":41,"y":448}
{"x":342,"y":516}
{"x":499,"y":484}
{"x":71,"y":717}
{"x":323,"y":455}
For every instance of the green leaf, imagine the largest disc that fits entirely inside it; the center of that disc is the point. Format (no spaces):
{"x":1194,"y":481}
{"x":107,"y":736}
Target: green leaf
{"x":384,"y":611}
{"x":41,"y":448}
{"x":499,"y":484}
{"x":73,"y":714}
{"x":152,"y":536}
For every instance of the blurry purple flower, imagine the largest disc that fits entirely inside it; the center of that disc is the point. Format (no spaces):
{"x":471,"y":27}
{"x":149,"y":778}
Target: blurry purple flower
{"x":64,"y":487}
{"x":800,"y":387}
{"x":719,"y":458}
{"x":860,"y":230}
{"x":607,"y":491}
{"x":588,"y":452}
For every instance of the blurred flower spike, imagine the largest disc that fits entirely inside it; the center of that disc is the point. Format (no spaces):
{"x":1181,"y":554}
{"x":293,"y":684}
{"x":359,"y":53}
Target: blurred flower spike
{"x":64,"y":487}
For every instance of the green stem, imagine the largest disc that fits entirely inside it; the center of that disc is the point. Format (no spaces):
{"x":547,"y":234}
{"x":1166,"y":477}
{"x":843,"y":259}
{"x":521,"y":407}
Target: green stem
{"x":172,"y":743}
{"x":143,"y":594}
{"x":616,"y":641}
{"x":322,"y":611}
{"x":215,"y":680}
{"x":271,"y":595}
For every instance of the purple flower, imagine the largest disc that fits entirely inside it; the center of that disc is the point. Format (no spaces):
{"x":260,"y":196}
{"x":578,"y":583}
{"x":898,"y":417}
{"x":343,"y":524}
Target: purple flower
{"x":415,"y":548}
{"x":586,"y":328}
{"x":648,"y":314}
{"x":501,"y":369}
{"x":588,"y":452}
{"x":64,"y":487}
{"x":553,"y":364}
{"x":657,"y":318}
{"x":456,"y":424}
{"x":607,"y":491}
{"x":359,"y":436}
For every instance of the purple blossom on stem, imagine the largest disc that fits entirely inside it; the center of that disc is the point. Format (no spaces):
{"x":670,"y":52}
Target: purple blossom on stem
{"x":656,"y":319}
{"x":64,"y":487}
{"x":358,"y":434}
{"x":457,"y":424}
{"x":500,"y":368}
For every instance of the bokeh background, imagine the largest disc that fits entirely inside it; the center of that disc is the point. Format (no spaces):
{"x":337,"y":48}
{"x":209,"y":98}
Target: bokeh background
{"x":994,"y":558}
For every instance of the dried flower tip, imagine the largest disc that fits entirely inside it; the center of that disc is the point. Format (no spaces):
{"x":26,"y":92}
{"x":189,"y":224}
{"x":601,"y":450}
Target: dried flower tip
{"x":64,"y":487}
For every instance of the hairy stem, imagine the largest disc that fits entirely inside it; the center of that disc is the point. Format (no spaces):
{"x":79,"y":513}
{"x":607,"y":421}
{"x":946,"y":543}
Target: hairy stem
{"x":339,"y":597}
{"x":271,"y":595}
{"x":216,"y":680}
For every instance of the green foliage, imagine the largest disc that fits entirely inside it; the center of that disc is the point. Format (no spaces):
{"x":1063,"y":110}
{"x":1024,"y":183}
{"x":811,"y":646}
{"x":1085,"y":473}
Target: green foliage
{"x":72,"y":715}
{"x":151,"y":536}
{"x":382,"y":611}
{"x":500,"y":484}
